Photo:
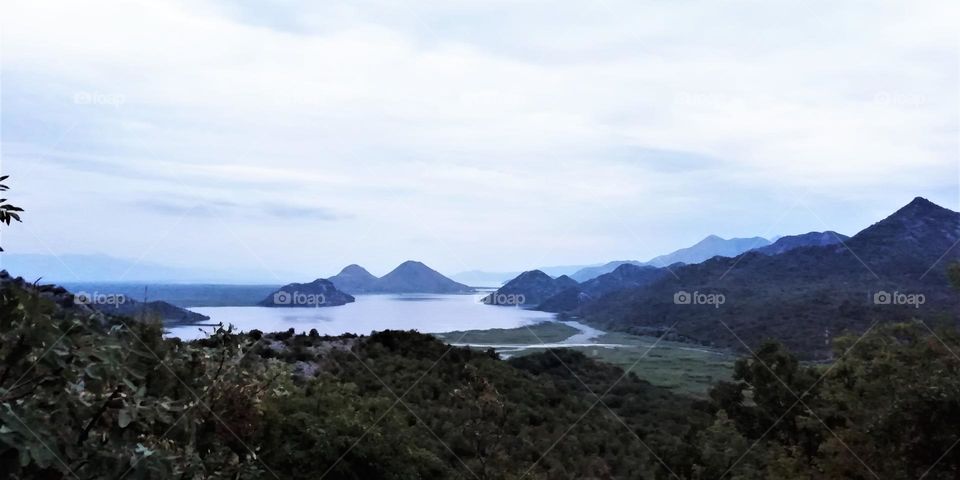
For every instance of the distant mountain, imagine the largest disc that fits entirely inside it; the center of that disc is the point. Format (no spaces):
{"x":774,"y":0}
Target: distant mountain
{"x":790,"y":242}
{"x":587,"y":273}
{"x":482,"y":278}
{"x":705,"y":249}
{"x":354,"y":279}
{"x":708,"y":248}
{"x":529,"y":289}
{"x":170,"y":314}
{"x":804,"y":296}
{"x":84,"y":268}
{"x":623,"y":277}
{"x":96,"y":303}
{"x":318,"y":293}
{"x":560,"y":270}
{"x":415,"y":277}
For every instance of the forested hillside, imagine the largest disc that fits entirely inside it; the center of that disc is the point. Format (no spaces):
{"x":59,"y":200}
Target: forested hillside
{"x":806,"y":296}
{"x":84,"y":396}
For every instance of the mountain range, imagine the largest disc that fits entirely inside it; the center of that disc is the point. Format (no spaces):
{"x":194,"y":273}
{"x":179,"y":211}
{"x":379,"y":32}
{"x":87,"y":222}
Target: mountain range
{"x":801,"y":289}
{"x":893,"y":270}
{"x":707,"y":248}
{"x":409,"y":277}
{"x":99,"y":268}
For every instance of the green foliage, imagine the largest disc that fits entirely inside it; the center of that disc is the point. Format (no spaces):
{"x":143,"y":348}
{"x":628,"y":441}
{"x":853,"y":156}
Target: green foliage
{"x":7,"y":212}
{"x":83,"y":396}
{"x":889,"y":405}
{"x":953,"y":272}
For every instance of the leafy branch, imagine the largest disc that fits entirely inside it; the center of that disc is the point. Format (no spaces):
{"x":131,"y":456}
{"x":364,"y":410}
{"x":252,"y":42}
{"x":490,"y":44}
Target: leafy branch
{"x":7,"y":212}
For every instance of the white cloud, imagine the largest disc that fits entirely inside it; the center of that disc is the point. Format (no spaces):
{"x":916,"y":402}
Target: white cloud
{"x":439,"y":126}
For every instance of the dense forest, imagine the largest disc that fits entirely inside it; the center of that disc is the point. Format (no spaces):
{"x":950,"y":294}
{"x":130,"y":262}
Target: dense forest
{"x":87,"y":396}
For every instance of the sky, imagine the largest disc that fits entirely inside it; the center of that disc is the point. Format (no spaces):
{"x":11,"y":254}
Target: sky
{"x":291,"y":138}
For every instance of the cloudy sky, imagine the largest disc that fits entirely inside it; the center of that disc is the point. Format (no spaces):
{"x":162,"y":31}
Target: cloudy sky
{"x":297,"y":137}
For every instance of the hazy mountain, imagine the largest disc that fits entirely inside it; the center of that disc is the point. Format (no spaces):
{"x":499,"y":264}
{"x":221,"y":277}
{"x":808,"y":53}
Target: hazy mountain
{"x":415,"y":277}
{"x":790,"y":242}
{"x":170,"y":314}
{"x":708,"y":248}
{"x":480,"y":278}
{"x":560,"y":270}
{"x":529,"y":289}
{"x":587,"y":273}
{"x":623,"y":277}
{"x":703,"y":250}
{"x":354,"y":279}
{"x":118,"y":304}
{"x":180,"y":294}
{"x":74,"y":268}
{"x":318,"y":293}
{"x":806,"y":295}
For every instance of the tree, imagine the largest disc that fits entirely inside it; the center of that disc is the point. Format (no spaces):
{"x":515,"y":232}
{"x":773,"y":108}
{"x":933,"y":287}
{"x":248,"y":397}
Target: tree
{"x":953,"y":271}
{"x":7,"y":212}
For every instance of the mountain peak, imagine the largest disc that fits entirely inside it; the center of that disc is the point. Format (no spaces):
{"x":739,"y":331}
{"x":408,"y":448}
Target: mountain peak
{"x":354,"y":269}
{"x":920,"y":206}
{"x":413,"y":264}
{"x":918,"y":212}
{"x":415,"y":277}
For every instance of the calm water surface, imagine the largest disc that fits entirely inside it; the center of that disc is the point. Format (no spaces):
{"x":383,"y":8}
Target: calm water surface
{"x":425,"y":313}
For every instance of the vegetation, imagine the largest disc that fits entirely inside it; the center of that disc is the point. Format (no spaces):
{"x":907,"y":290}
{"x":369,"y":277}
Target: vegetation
{"x":679,"y":367}
{"x":7,"y":212}
{"x":543,"y":332}
{"x":82,"y":396}
{"x":805,"y":297}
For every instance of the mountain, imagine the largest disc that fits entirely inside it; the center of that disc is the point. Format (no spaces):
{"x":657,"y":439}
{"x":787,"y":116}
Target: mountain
{"x":894,"y":270}
{"x":170,"y":314}
{"x":587,"y":273}
{"x":354,"y":279}
{"x":85,"y":268}
{"x":560,"y":270}
{"x":480,"y":278}
{"x":623,"y":277}
{"x":703,"y":250}
{"x":790,"y":242}
{"x":529,"y":289}
{"x":97,"y":303}
{"x":415,"y":277}
{"x":318,"y":293}
{"x":708,"y":248}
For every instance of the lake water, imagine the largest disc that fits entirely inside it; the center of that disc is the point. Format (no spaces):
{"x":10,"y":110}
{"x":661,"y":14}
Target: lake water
{"x":422,"y":312}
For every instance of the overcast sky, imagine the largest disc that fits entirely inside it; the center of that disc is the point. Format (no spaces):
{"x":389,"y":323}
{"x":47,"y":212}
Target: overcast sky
{"x":301,"y":136}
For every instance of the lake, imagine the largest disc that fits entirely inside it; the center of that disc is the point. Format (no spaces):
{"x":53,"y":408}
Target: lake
{"x":426,"y":313}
